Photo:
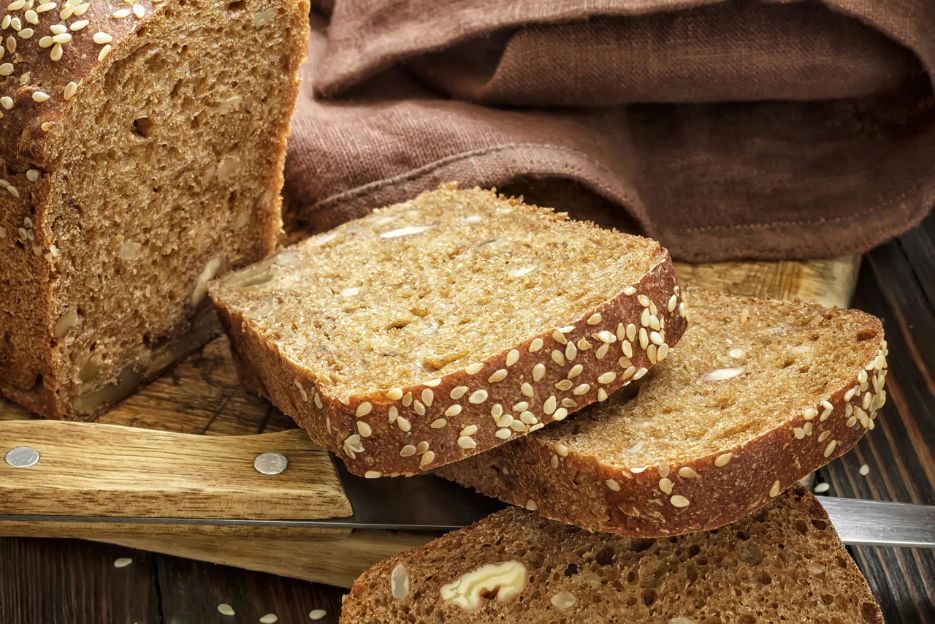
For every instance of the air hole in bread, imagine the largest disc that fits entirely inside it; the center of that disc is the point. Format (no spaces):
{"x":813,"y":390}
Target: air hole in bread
{"x":237,"y":5}
{"x":143,"y":127}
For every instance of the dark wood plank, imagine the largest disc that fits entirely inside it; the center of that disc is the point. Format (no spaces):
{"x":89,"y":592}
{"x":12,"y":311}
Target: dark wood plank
{"x":897,"y":283}
{"x":72,"y":582}
{"x":191,"y":592}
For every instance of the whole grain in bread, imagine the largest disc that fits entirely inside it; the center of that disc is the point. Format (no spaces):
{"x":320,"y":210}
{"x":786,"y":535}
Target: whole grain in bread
{"x":141,"y":154}
{"x":440,"y":327}
{"x":756,"y":395}
{"x":783,"y":564}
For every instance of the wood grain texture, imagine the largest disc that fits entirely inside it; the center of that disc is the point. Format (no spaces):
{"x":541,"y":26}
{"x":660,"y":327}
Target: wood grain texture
{"x":106,"y":470}
{"x":897,"y":284}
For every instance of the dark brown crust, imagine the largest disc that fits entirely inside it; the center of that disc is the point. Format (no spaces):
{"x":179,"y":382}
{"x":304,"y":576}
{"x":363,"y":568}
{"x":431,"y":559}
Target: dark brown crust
{"x":367,"y":601}
{"x":576,"y":490}
{"x":336,"y":427}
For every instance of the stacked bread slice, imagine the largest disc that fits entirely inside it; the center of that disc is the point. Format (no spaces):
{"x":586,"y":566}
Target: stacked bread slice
{"x":447,"y":332}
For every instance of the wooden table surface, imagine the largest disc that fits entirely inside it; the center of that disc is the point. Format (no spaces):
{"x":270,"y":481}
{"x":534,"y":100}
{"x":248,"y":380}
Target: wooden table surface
{"x":46,"y":581}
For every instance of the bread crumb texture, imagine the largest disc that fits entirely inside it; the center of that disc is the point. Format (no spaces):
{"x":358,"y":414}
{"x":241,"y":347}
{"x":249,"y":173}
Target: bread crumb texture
{"x":784,"y":564}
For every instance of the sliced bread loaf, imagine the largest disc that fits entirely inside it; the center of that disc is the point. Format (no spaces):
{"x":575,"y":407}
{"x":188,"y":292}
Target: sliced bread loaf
{"x":444,"y":326}
{"x":141,"y":154}
{"x":783,"y":564}
{"x":756,"y":395}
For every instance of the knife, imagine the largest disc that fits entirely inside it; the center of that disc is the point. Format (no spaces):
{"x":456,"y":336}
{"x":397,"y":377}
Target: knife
{"x":59,"y":474}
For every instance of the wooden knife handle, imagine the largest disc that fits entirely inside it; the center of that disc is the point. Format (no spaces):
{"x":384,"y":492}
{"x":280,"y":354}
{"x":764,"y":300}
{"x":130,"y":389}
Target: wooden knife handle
{"x":88,"y":469}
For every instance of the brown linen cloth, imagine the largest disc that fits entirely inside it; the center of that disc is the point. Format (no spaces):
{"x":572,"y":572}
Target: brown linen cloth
{"x":726,"y":129}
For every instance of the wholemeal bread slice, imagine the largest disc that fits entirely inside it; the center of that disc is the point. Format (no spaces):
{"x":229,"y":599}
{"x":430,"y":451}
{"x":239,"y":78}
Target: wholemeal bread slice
{"x":141,"y":154}
{"x":783,"y":564}
{"x":756,"y":395}
{"x":449,"y":324}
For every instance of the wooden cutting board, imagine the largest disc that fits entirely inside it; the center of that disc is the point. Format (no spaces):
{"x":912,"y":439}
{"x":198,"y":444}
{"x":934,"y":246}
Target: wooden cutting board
{"x":202,"y":396}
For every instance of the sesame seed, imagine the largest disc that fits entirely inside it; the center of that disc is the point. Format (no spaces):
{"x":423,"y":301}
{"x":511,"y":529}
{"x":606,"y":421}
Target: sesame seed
{"x":574,"y":371}
{"x":79,"y":25}
{"x":651,"y":353}
{"x":560,"y":414}
{"x":564,"y":385}
{"x":33,"y":174}
{"x":438,"y":423}
{"x":122,"y":562}
{"x":830,"y":448}
{"x":45,"y":42}
{"x":862,"y":377}
{"x":434,"y":383}
{"x":138,"y":11}
{"x":774,"y":491}
{"x":558,"y":357}
{"x":226,"y":609}
{"x":549,"y":405}
{"x":613,"y":485}
{"x":364,"y":429}
{"x":630,"y":370}
{"x":457,"y":392}
{"x":478,"y":397}
{"x":686,"y":472}
{"x":662,"y":352}
{"x":418,"y":408}
{"x":810,"y":413}
{"x":644,"y":318}
{"x":554,"y":461}
{"x":535,"y":345}
{"x":407,"y":451}
{"x":644,"y":300}
{"x":559,"y":337}
{"x":46,"y":7}
{"x":16,"y":5}
{"x":679,"y":501}
{"x":606,"y":378}
{"x":269,"y":618}
{"x":6,"y":102}
{"x":601,"y":395}
{"x":317,"y":614}
{"x":120,"y":13}
{"x":656,"y":338}
{"x":821,"y":488}
{"x":528,"y":418}
{"x":627,"y":348}
{"x":631,"y":332}
{"x":517,"y":425}
{"x":798,"y":432}
{"x":466,"y":442}
{"x":581,"y":389}
{"x":407,"y":399}
{"x":639,"y":374}
{"x":427,"y":397}
{"x":606,"y":337}
{"x":512,"y":357}
{"x":531,"y":505}
{"x":673,"y":301}
{"x":469,"y":430}
{"x":394,"y":394}
{"x":644,"y":338}
{"x":521,"y":406}
{"x":569,"y":402}
{"x":373,"y":474}
{"x":571,"y":351}
{"x":561,"y":449}
{"x":104,"y":52}
{"x":594,"y":319}
{"x":6,"y":69}
{"x":864,"y":470}
{"x":601,"y":351}
{"x":26,"y":33}
{"x":665,"y":485}
{"x":427,"y":458}
{"x":538,"y":372}
{"x":404,"y":424}
{"x":527,"y":390}
{"x":473,"y":369}
{"x":422,"y":446}
{"x":503,"y":434}
{"x":363,"y":409}
{"x":62,"y":38}
{"x":629,"y":291}
{"x":496,"y":410}
{"x":70,"y":89}
{"x":498,"y":375}
{"x":824,"y":436}
{"x":851,"y":421}
{"x":850,"y":394}
{"x":453,"y":410}
{"x":40,"y":96}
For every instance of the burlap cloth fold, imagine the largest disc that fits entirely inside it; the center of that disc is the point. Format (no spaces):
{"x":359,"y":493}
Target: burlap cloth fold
{"x":726,"y":129}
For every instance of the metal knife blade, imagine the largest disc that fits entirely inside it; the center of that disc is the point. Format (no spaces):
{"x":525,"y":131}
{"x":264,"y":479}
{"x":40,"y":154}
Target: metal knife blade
{"x":428,"y":503}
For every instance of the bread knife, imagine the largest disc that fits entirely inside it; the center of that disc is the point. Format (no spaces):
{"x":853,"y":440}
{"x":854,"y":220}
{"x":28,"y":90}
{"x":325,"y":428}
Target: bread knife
{"x":78,"y":473}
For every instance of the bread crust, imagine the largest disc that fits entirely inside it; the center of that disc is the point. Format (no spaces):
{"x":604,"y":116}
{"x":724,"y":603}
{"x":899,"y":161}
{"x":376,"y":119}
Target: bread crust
{"x":390,"y":433}
{"x":579,"y":489}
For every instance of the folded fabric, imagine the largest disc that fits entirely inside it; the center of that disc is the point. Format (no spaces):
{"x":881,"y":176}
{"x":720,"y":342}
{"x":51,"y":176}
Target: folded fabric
{"x":725,"y":129}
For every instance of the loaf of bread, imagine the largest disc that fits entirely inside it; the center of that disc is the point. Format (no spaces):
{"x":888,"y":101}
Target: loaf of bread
{"x":756,"y":395}
{"x":783,"y":564}
{"x":447,"y":325}
{"x":141,"y":154}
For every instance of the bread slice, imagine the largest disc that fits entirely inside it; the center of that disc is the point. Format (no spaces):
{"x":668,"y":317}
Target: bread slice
{"x":756,"y":395}
{"x":449,"y":324}
{"x":141,"y":154}
{"x":783,"y":564}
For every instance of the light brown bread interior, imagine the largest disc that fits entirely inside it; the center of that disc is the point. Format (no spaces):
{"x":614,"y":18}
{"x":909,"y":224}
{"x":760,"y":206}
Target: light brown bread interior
{"x":168,"y":173}
{"x":424,"y":288}
{"x":783,"y":564}
{"x":756,"y":395}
